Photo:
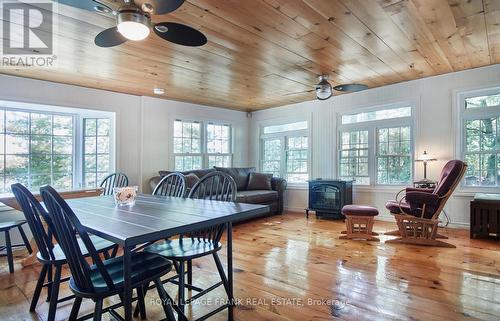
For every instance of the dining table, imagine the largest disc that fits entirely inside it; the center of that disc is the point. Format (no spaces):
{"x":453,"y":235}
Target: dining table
{"x":153,"y":218}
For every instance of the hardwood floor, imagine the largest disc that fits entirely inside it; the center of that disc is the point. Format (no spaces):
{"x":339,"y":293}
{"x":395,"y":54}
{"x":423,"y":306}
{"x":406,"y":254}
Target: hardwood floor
{"x":290,"y":268}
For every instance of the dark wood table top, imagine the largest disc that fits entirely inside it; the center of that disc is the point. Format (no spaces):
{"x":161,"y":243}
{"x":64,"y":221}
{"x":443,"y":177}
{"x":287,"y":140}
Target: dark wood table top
{"x":154,"y":217}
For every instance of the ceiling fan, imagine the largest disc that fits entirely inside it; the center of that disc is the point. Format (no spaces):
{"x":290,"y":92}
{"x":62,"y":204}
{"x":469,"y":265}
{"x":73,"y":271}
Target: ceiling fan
{"x":324,"y":89}
{"x":133,"y":21}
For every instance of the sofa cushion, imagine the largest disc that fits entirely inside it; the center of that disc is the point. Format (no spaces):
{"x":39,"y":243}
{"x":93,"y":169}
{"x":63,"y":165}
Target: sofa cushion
{"x":191,"y":180}
{"x":240,"y":175}
{"x":256,"y":197}
{"x":259,"y":181}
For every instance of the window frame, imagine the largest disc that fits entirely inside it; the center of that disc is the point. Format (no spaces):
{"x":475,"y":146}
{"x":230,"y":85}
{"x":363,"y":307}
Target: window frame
{"x":78,"y":114}
{"x":203,"y":141}
{"x":284,"y":136}
{"x":373,"y":126}
{"x":464,"y":115}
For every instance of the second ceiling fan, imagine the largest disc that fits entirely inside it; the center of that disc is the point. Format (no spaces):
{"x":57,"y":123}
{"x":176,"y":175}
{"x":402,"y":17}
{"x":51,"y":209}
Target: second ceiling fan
{"x":133,"y":21}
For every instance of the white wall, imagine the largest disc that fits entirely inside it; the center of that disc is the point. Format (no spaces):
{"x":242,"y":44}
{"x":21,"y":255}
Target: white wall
{"x":435,"y":105}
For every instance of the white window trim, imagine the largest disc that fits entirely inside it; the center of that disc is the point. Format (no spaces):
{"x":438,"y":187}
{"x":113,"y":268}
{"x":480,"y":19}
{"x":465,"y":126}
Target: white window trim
{"x":78,"y":138}
{"x":460,"y":114}
{"x":283,"y":135}
{"x":203,"y":134}
{"x":372,"y":127}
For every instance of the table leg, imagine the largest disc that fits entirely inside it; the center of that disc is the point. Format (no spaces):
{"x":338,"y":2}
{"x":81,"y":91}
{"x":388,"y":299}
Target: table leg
{"x":230,"y":270}
{"x":127,"y":284}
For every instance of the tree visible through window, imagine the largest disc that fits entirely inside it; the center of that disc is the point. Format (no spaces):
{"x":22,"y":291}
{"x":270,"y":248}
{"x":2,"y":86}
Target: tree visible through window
{"x":285,"y":151}
{"x":219,"y":145}
{"x":353,"y":160}
{"x":375,"y":146}
{"x":96,"y":162}
{"x":187,"y":145}
{"x":36,"y":149}
{"x":394,"y":155}
{"x":482,"y":140}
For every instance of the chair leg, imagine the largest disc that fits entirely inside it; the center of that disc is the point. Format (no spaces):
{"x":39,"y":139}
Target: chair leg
{"x":166,"y":301}
{"x":106,"y":255}
{"x":25,"y":239}
{"x":55,"y":294}
{"x":137,"y":307}
{"x":49,"y":283}
{"x":75,"y":309}
{"x":140,"y":302}
{"x":114,"y":251}
{"x":38,"y":288}
{"x":182,"y":278}
{"x":98,"y":310}
{"x":222,"y":274}
{"x":190,"y":272}
{"x":8,"y":247}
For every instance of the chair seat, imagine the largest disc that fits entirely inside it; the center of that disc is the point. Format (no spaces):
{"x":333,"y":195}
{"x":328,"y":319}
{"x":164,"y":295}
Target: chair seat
{"x":184,"y":250}
{"x":4,"y":226}
{"x":100,"y":245}
{"x":144,"y":266}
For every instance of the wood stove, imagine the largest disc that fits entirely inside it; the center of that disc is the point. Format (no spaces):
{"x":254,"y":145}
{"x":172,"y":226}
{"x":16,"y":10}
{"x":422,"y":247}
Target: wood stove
{"x":327,"y":197}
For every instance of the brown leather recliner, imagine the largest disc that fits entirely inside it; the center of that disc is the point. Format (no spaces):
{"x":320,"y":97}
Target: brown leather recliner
{"x":417,"y":212}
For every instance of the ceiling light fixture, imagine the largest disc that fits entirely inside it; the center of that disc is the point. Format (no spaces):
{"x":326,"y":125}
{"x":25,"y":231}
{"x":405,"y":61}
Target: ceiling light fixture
{"x":324,"y":88}
{"x":133,"y":25}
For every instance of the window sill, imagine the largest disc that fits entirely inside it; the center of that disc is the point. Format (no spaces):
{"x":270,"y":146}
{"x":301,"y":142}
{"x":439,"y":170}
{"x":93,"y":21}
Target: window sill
{"x":297,"y":186}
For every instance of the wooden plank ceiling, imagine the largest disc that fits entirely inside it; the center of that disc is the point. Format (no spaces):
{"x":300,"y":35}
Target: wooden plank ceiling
{"x":267,"y":53}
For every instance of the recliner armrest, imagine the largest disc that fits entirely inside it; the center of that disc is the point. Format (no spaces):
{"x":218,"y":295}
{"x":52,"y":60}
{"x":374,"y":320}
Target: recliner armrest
{"x":414,"y":189}
{"x":418,"y":198}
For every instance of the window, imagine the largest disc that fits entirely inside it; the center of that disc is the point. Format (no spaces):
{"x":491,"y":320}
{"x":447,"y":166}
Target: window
{"x":296,"y":159}
{"x":375,"y":147}
{"x":96,"y":150}
{"x":271,"y":162}
{"x":285,"y":151}
{"x":197,"y":146}
{"x":39,"y":146}
{"x":394,"y":155}
{"x":481,"y":138}
{"x":353,"y":161}
{"x":218,"y":145}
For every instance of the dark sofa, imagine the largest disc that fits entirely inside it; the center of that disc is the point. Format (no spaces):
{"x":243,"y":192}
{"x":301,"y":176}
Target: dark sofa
{"x":272,"y":197}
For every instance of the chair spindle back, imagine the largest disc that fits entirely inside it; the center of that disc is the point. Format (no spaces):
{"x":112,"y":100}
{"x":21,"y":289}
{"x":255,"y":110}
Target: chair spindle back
{"x":173,"y":184}
{"x":35,"y":214}
{"x":113,"y":180}
{"x":65,"y":223}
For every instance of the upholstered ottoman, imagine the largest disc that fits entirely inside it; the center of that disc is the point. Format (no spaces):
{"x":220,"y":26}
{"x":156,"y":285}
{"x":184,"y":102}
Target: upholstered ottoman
{"x":359,"y":222}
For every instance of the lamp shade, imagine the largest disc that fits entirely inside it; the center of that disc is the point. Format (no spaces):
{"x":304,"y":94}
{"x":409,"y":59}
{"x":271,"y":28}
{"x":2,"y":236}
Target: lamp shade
{"x":425,"y":157}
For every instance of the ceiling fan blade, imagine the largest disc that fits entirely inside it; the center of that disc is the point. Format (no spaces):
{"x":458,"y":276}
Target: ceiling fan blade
{"x":109,"y":38}
{"x":89,"y":5}
{"x":160,"y":6}
{"x":180,"y":34}
{"x":350,"y":87}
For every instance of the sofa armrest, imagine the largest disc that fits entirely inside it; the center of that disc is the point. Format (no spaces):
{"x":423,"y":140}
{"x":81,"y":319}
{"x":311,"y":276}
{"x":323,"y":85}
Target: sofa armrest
{"x":153,"y":181}
{"x":279,"y":184}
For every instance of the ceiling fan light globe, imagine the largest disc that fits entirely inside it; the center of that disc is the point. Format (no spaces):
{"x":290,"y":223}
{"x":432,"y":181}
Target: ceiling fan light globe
{"x":324,"y":88}
{"x":323,"y":93}
{"x":133,"y":30}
